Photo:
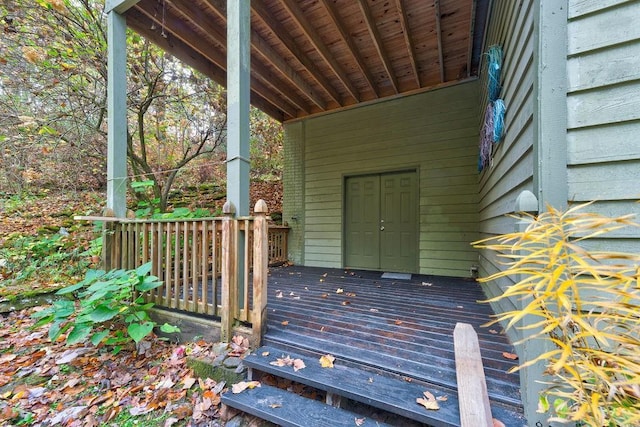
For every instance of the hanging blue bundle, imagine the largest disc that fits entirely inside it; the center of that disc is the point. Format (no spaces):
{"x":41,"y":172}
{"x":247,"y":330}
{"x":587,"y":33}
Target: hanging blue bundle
{"x":494,"y":66}
{"x":498,"y":119}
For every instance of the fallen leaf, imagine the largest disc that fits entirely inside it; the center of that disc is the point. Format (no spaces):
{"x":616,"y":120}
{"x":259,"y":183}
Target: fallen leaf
{"x":278,"y":294}
{"x":298,"y":364}
{"x":498,"y":423}
{"x":493,"y":331}
{"x":242,"y":386}
{"x":6,"y":358}
{"x":170,"y":421}
{"x":327,"y":360}
{"x":428,"y":401}
{"x":359,"y":421}
{"x":325,"y":295}
{"x":284,"y":322}
{"x":427,"y":284}
{"x":510,"y":356}
{"x":339,"y":291}
{"x":265,"y":353}
{"x":275,"y":405}
{"x":398,"y":322}
{"x":350,"y":294}
{"x":346,"y":302}
{"x":442,"y":398}
{"x":188,"y":382}
{"x":374,"y":310}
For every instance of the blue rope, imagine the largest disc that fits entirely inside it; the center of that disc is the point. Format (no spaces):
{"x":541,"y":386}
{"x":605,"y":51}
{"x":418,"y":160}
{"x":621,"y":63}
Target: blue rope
{"x":499,"y":110}
{"x":494,"y":65}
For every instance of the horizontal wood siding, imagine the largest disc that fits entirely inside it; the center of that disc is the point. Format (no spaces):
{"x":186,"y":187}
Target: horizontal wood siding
{"x":603,"y":102}
{"x":293,"y":184}
{"x":434,"y":133}
{"x":511,"y":25}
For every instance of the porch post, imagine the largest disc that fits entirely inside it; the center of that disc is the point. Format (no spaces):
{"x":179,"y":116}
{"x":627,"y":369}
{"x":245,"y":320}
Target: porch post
{"x":238,"y":72}
{"x":238,"y":68}
{"x":117,"y":114}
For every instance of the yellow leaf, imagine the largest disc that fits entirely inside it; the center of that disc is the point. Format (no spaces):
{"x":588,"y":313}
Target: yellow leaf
{"x":327,"y":360}
{"x":428,"y":401}
{"x":339,"y":291}
{"x":243,"y":385}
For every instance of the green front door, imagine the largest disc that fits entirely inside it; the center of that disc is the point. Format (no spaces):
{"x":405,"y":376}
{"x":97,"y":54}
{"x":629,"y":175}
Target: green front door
{"x":381,"y":227}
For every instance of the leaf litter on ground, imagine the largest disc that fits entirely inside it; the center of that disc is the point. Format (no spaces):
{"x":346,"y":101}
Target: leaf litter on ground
{"x":44,"y":383}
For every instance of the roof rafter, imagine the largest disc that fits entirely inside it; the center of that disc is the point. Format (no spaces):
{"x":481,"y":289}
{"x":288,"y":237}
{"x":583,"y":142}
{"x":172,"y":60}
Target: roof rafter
{"x":404,"y":22}
{"x":263,"y":48}
{"x":282,"y":34}
{"x":186,"y":9}
{"x":140,"y":23}
{"x":436,"y":7}
{"x":171,"y":24}
{"x":377,"y":42}
{"x":301,"y":21}
{"x":355,"y":52}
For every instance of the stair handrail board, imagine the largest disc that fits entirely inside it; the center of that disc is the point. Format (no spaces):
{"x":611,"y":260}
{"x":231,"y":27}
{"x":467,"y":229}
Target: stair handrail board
{"x":475,"y":409}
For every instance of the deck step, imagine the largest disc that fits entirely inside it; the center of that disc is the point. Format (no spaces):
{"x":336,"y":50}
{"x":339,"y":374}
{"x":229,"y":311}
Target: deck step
{"x":292,"y":410}
{"x":384,"y":392}
{"x":375,"y":388}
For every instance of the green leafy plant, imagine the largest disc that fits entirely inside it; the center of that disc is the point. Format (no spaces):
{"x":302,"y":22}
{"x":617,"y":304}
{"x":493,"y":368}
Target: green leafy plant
{"x":586,"y":303}
{"x":109,"y":309}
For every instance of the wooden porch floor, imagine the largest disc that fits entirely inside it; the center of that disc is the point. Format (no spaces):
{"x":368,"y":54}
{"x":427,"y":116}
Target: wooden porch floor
{"x":404,"y":327}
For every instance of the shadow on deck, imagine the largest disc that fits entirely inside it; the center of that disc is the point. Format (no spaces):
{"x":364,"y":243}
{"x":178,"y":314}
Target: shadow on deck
{"x":402,"y":327}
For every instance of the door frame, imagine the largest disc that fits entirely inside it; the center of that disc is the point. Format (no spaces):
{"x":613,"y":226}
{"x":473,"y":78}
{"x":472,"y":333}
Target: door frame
{"x":344,"y":178}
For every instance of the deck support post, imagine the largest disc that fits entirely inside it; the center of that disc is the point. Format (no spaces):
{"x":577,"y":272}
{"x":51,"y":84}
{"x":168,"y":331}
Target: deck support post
{"x":260,"y":271}
{"x":117,"y":113}
{"x":238,"y":99}
{"x":229,"y":272}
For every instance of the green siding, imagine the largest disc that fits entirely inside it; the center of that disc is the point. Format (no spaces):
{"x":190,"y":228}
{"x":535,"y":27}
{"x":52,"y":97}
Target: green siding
{"x":603,"y":150}
{"x":511,"y":25}
{"x":434,"y":133}
{"x":293,"y":184}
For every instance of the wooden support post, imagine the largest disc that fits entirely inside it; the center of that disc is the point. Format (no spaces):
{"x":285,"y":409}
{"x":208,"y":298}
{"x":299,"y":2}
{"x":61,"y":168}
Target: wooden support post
{"x":108,"y":229}
{"x":117,"y":113}
{"x":260,"y":271}
{"x":475,"y":410}
{"x":229,"y":272}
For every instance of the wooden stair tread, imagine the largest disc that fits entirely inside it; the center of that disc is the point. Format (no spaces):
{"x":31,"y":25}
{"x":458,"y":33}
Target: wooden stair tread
{"x":384,"y":392}
{"x":292,"y":410}
{"x":429,"y":371}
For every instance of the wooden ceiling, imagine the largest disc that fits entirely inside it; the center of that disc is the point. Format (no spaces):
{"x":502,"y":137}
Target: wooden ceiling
{"x":312,"y":56}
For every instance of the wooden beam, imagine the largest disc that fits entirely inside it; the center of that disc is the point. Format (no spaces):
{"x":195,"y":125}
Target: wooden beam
{"x":281,"y":33}
{"x":117,"y":113}
{"x":119,"y":6}
{"x":187,"y":9}
{"x":303,"y":23}
{"x":404,"y":23}
{"x":436,"y":8}
{"x":472,"y":24}
{"x":142,"y":24}
{"x":355,"y":51}
{"x":377,"y":42}
{"x":473,"y":398}
{"x":176,"y":28}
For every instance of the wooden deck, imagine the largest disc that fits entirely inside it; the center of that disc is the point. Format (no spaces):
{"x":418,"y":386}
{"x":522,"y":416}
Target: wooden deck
{"x":403,"y":327}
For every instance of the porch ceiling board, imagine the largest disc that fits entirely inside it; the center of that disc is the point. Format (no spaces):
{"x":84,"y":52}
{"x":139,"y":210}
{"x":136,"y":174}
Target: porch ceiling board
{"x":312,"y":56}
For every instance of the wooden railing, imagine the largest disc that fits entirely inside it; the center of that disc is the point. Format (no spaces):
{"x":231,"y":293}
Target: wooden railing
{"x":211,"y":266}
{"x":278,"y":249}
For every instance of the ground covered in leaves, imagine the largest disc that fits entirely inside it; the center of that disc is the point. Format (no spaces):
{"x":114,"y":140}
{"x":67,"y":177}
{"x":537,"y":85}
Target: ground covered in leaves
{"x":45,"y":383}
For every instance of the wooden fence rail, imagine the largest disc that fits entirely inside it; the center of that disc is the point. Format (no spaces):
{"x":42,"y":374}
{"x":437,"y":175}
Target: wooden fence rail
{"x":210,"y":266}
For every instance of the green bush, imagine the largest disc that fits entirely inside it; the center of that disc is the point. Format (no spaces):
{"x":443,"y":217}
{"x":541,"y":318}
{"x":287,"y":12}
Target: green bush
{"x":109,"y":309}
{"x":586,"y":304}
